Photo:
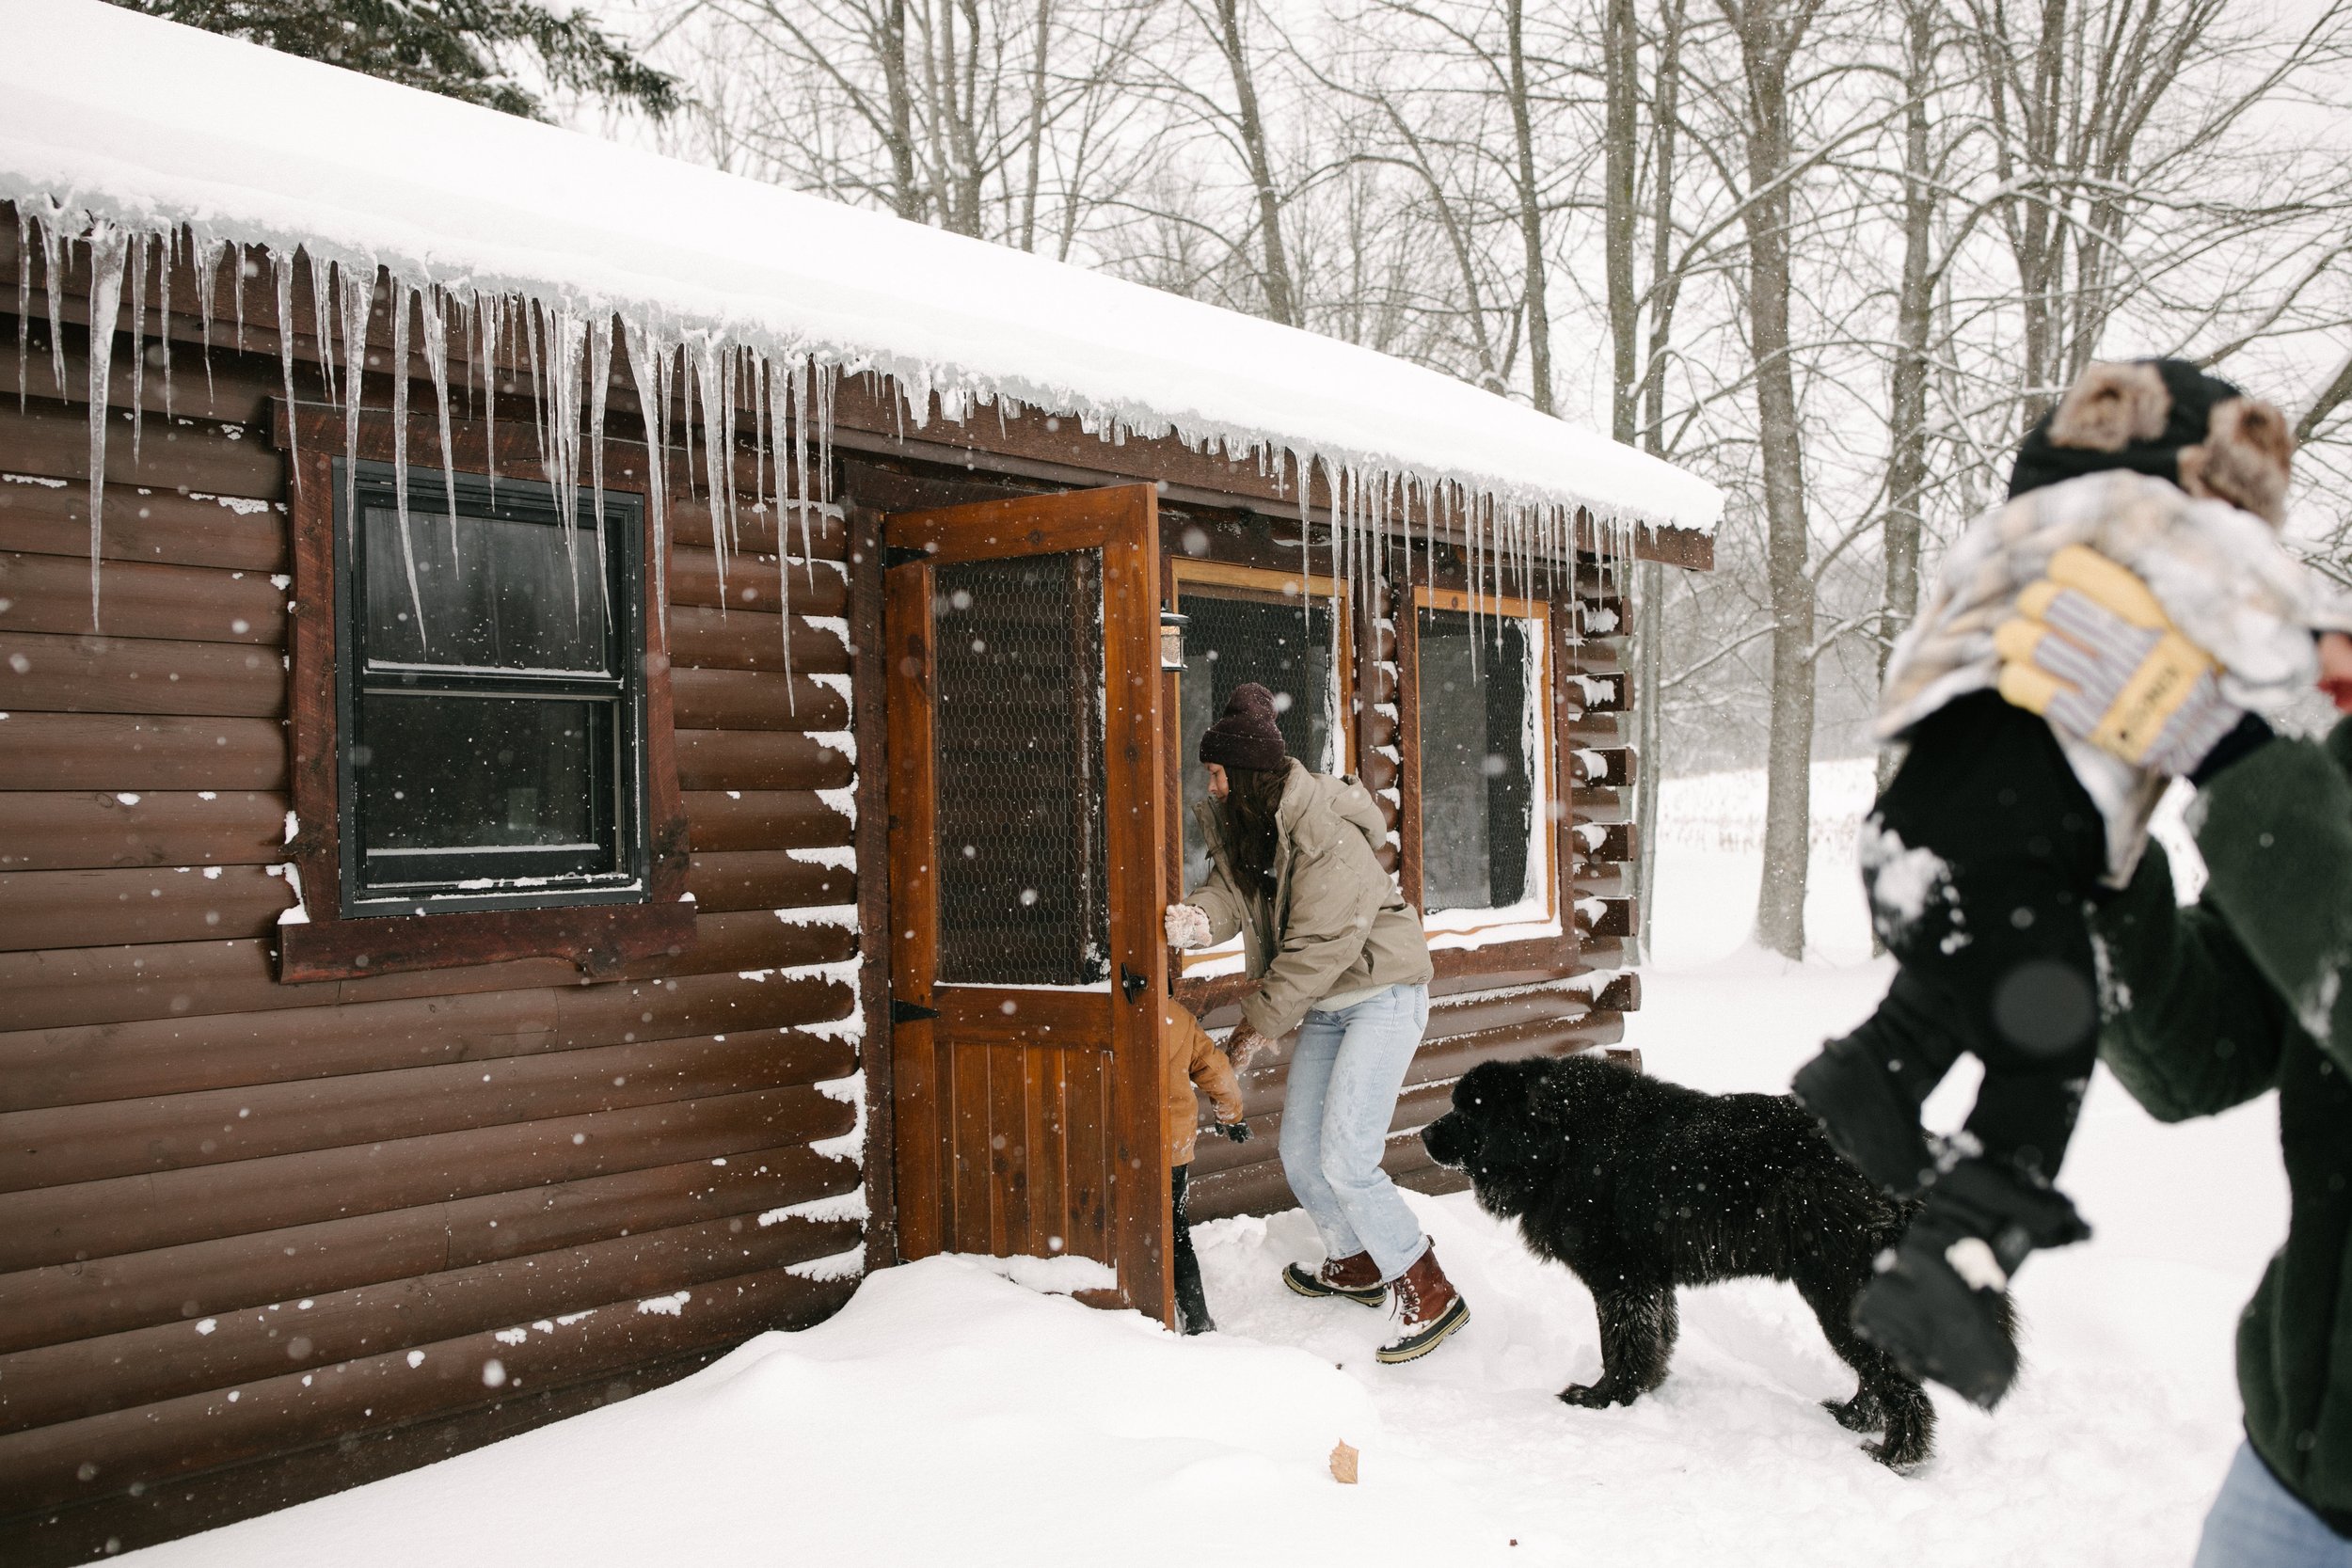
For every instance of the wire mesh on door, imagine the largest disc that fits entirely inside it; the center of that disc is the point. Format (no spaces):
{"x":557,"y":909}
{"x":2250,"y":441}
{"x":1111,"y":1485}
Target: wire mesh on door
{"x":1019,"y":768}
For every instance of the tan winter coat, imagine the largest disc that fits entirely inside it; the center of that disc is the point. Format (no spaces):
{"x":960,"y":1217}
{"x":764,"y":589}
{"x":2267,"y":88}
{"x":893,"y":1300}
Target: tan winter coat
{"x":1337,"y":922}
{"x":1194,"y":1059}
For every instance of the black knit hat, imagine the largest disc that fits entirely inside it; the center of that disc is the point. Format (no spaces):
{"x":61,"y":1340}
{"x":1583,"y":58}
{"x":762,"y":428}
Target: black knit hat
{"x":2168,"y":419}
{"x":1245,"y":736}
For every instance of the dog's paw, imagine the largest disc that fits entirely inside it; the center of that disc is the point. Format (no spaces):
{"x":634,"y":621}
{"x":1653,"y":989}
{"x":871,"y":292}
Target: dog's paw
{"x":1594,"y":1396}
{"x":1903,"y":1458}
{"x":1859,"y":1414}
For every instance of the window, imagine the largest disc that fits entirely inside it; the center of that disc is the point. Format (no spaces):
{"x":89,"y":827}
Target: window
{"x":1285,"y":632}
{"x":1482,"y":750}
{"x":491,"y":698}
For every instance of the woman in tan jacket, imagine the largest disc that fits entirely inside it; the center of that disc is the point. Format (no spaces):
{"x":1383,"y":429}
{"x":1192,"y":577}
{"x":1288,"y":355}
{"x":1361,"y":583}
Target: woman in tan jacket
{"x":1339,"y":956}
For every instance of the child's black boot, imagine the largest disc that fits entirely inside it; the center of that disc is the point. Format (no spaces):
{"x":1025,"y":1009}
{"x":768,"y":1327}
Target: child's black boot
{"x":1940,"y":1302}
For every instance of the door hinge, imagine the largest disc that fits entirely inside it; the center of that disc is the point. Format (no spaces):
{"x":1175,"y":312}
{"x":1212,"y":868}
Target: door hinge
{"x":904,"y":555}
{"x":1133,"y":984}
{"x":910,"y":1012}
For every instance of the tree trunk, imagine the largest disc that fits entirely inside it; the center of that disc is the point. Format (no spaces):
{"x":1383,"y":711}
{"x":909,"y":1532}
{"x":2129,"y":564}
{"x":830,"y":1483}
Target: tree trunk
{"x":1620,"y":160}
{"x":1530,"y":213}
{"x":1767,"y":38}
{"x":1914,"y":303}
{"x":906,"y":186}
{"x":1274,"y":272}
{"x":1649,"y":685}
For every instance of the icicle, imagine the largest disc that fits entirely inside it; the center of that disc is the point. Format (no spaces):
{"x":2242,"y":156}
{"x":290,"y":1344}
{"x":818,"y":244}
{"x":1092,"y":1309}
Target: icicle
{"x":805,"y":388}
{"x":766,"y":445}
{"x":531,"y":328}
{"x":244,"y":270}
{"x":827,"y":383}
{"x":648,"y":366}
{"x":283,"y":267}
{"x":163,"y":315}
{"x":23,"y":302}
{"x":492,"y":316}
{"x":108,"y":248}
{"x":321,"y":317}
{"x":565,"y":332}
{"x":356,"y":297}
{"x":135,"y":280}
{"x":56,"y":251}
{"x":397,"y":297}
{"x":599,"y":351}
{"x":436,"y":365}
{"x":205,"y":256}
{"x":718,"y":450}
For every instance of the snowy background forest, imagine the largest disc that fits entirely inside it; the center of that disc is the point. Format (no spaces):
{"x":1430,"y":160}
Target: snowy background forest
{"x":1833,"y":254}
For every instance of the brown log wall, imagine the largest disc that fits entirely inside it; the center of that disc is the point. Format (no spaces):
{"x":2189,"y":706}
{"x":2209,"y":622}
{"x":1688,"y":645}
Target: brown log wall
{"x":246,"y":1226}
{"x":367,"y":1186}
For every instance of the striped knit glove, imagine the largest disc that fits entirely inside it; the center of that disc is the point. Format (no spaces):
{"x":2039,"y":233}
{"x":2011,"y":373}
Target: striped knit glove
{"x":2092,"y":652}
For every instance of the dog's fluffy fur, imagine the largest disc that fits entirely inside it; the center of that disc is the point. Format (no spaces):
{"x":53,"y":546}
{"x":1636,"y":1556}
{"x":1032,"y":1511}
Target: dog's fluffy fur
{"x":1642,"y":1186}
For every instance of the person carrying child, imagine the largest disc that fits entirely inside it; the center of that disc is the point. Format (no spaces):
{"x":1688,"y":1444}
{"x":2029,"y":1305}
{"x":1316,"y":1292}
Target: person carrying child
{"x":1194,"y":1059}
{"x":1997,"y":836}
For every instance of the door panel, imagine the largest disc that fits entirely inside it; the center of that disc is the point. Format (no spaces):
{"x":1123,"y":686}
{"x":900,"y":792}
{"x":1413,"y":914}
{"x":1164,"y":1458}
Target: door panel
{"x":1026,"y":810}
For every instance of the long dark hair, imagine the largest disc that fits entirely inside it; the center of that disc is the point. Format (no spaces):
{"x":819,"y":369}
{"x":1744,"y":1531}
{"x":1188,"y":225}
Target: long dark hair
{"x":1253,"y":797}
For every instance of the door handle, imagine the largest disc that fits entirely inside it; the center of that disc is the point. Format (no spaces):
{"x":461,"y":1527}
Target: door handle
{"x":1133,"y":984}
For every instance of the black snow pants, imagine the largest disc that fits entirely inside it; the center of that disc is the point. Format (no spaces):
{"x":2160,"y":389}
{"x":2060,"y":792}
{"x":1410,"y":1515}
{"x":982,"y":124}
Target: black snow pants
{"x":1981,"y":859}
{"x":1192,"y":1297}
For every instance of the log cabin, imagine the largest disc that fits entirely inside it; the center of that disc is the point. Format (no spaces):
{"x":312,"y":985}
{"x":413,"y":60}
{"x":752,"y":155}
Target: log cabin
{"x":591,"y":750}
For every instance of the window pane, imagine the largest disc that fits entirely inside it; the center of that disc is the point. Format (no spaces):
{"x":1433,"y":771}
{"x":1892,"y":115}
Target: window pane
{"x":498,"y":592}
{"x":1019,"y":758}
{"x":1228,"y":642}
{"x":442,"y":774}
{"x":1478,"y":763}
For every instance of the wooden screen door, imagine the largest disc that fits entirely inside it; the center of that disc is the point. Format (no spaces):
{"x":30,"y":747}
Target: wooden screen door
{"x":1027,"y":818}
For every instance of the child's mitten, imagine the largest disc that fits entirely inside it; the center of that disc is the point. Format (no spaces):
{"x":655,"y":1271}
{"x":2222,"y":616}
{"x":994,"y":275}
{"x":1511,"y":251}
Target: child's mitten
{"x":2116,"y":673}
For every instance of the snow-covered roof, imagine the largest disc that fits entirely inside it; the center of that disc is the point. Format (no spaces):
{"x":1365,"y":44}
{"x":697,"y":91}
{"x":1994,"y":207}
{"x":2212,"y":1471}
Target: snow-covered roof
{"x":153,"y":125}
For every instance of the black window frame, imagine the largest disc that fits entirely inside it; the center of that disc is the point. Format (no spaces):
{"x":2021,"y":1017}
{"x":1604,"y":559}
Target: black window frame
{"x":625,"y":816}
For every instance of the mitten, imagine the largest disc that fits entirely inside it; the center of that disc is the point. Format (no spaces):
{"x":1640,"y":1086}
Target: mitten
{"x":1188,"y":927}
{"x":2092,"y":652}
{"x":1245,"y":1045}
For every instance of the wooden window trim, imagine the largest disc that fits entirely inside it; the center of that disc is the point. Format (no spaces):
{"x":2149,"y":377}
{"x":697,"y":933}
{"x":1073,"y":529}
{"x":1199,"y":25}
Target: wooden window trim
{"x":1269,"y":582}
{"x":1555,"y":954}
{"x":600,"y":938}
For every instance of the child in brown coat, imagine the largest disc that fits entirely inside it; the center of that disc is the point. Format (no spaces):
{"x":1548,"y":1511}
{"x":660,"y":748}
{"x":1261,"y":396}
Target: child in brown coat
{"x":1193,"y":1059}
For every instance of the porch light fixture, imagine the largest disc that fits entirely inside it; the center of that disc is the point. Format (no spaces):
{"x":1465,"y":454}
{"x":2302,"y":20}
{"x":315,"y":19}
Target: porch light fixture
{"x":1173,"y":642}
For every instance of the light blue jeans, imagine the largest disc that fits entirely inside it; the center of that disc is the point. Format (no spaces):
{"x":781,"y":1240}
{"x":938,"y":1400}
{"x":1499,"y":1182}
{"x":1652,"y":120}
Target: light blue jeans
{"x":2257,"y":1523}
{"x":1345,"y":1078}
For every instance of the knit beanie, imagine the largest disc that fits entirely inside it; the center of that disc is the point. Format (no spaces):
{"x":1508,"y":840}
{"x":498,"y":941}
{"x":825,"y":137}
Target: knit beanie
{"x":2168,"y":419}
{"x":1244,"y":735}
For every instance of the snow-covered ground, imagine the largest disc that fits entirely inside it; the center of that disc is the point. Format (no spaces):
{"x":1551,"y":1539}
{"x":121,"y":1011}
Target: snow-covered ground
{"x":950,"y":1415}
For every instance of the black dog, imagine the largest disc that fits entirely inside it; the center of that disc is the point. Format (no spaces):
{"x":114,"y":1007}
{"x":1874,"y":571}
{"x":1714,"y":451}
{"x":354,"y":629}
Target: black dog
{"x":1640,"y":1187}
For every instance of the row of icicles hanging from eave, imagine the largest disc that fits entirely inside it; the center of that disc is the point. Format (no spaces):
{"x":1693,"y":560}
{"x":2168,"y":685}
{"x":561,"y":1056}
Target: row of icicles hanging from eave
{"x":776,"y":402}
{"x":774,"y":410}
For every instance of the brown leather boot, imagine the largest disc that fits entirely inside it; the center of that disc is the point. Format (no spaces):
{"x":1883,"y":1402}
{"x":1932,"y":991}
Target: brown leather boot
{"x":1356,"y":1277}
{"x":1430,"y":1307}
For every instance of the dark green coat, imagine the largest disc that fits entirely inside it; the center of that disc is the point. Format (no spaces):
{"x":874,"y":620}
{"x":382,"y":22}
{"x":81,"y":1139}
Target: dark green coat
{"x":2208,"y":1007}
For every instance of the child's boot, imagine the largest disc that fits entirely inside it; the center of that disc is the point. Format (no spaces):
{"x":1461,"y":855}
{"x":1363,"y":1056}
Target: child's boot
{"x":1192,"y":1301}
{"x":1940,"y":1305}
